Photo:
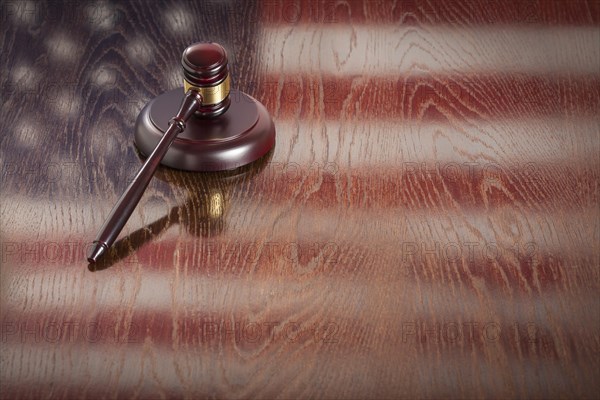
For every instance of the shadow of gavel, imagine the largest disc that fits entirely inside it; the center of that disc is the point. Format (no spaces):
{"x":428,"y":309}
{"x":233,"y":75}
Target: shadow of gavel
{"x":202,"y":213}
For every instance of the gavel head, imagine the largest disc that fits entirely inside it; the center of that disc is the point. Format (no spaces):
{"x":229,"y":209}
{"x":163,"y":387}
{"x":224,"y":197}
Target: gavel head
{"x":205,"y":70}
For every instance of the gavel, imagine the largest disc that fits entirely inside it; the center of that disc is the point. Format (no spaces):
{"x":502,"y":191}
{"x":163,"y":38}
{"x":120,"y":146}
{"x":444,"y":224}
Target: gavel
{"x":209,"y":132}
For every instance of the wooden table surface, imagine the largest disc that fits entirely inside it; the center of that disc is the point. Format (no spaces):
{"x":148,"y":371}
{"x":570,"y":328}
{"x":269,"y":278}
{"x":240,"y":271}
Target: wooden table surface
{"x":427,"y":225}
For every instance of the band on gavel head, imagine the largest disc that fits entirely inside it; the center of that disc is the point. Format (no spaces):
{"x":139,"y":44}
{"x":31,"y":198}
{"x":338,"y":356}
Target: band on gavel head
{"x":205,"y":70}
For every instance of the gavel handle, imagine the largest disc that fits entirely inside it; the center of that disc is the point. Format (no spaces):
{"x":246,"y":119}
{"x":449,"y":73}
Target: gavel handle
{"x":130,"y":198}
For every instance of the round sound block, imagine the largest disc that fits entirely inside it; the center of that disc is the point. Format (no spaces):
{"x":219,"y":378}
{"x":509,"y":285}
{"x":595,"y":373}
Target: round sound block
{"x":239,"y":136}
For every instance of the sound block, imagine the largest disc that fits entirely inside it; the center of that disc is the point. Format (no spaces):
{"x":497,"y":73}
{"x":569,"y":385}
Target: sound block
{"x":242,"y":134}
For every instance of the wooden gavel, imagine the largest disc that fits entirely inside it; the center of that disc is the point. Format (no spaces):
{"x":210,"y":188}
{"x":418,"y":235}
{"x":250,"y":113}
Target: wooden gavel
{"x":223,"y":134}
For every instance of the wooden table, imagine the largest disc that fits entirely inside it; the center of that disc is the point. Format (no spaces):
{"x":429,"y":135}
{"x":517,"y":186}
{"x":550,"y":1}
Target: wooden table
{"x":427,"y":225}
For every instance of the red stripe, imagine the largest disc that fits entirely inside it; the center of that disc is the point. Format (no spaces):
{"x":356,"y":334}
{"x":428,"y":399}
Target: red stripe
{"x":435,"y":98}
{"x":430,"y":185}
{"x":207,"y":333}
{"x":412,"y":12}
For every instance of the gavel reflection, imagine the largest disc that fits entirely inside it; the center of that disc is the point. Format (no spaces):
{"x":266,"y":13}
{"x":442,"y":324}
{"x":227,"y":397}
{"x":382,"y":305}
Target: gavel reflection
{"x":201,"y":214}
{"x":209,"y":132}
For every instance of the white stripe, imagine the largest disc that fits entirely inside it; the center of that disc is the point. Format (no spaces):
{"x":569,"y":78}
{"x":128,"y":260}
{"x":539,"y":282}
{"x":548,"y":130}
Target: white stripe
{"x":392,"y":50}
{"x":390,"y":142}
{"x":152,"y":371}
{"x":505,"y":227}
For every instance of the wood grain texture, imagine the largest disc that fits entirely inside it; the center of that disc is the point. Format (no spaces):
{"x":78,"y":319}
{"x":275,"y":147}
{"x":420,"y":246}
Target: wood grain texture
{"x":427,"y":225}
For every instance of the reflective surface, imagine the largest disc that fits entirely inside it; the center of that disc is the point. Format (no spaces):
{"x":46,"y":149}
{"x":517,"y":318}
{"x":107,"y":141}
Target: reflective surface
{"x":426,"y":225}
